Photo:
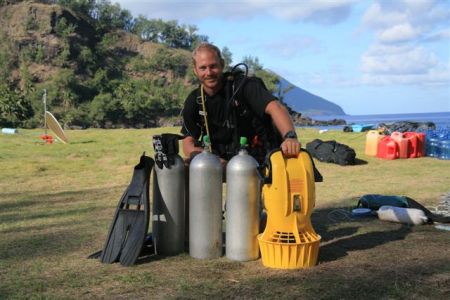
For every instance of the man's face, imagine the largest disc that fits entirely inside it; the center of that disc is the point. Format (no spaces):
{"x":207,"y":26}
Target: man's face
{"x":208,"y":69}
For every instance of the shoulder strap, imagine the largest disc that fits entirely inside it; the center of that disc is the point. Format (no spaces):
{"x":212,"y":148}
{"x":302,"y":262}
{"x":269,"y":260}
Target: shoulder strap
{"x":234,"y":81}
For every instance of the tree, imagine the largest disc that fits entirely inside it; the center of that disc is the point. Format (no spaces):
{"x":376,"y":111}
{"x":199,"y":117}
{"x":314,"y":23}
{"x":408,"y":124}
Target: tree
{"x":8,"y":57}
{"x":105,"y":108}
{"x":64,"y":29}
{"x":110,"y":16}
{"x":14,"y":108}
{"x":84,"y":7}
{"x":175,"y":36}
{"x":253,"y":63}
{"x":148,"y":30}
{"x":227,"y":56}
{"x":63,"y":91}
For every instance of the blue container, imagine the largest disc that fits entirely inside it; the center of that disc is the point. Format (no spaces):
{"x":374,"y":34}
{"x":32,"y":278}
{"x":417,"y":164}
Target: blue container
{"x":361,"y":127}
{"x":444,"y":149}
{"x":432,"y":147}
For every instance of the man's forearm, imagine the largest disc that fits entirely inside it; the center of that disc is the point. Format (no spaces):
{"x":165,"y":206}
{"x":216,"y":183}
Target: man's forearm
{"x":189,"y":146}
{"x":280,"y":117}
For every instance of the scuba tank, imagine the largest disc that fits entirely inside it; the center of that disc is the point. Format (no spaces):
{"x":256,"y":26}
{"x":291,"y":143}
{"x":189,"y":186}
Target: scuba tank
{"x":205,"y":205}
{"x":168,"y":223}
{"x":243,"y":206}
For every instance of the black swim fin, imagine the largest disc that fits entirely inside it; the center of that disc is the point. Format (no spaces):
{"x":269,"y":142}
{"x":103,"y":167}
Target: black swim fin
{"x":130,"y":224}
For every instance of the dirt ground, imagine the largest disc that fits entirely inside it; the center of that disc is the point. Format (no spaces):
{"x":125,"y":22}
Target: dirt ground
{"x":358,"y":258}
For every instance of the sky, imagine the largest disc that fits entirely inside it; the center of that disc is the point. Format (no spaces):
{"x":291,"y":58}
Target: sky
{"x":369,"y":57}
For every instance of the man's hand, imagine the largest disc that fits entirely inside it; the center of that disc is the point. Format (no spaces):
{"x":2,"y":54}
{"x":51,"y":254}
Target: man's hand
{"x":189,"y":148}
{"x":280,"y":116}
{"x":290,"y":147}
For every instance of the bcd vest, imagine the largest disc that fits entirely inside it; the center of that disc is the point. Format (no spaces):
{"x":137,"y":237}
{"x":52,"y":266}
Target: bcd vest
{"x":239,"y":121}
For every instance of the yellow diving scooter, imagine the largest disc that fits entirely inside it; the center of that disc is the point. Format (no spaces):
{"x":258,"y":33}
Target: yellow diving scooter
{"x":289,"y":240}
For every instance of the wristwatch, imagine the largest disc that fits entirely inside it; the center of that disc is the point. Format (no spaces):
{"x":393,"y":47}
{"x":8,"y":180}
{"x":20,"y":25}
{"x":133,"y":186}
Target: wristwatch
{"x":290,"y":135}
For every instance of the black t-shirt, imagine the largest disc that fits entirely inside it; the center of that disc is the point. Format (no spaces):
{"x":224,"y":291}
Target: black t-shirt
{"x":252,"y":120}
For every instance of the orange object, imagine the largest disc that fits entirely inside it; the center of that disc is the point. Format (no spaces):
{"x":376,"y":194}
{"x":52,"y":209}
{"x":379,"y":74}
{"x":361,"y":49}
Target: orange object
{"x":403,"y":144}
{"x":420,"y":144}
{"x":416,"y":142}
{"x":411,"y":137}
{"x":373,"y":137}
{"x":43,"y":136}
{"x":47,"y":138}
{"x":387,"y":148}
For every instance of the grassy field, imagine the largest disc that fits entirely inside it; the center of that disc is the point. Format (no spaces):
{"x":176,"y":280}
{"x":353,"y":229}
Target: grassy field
{"x":57,"y":201}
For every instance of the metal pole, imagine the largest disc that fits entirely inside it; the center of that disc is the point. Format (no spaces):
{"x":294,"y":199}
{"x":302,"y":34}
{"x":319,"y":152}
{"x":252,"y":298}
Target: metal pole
{"x":44,"y":99}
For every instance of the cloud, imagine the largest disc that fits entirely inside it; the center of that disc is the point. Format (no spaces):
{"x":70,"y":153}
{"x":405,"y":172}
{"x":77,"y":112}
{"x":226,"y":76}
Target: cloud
{"x":291,"y":46}
{"x":443,"y":35}
{"x":333,"y":76}
{"x":317,"y":11}
{"x":383,"y":64}
{"x":398,"y":33}
{"x":400,"y":27}
{"x":405,"y":20}
{"x":400,"y":60}
{"x":432,"y":78}
{"x":376,"y":17}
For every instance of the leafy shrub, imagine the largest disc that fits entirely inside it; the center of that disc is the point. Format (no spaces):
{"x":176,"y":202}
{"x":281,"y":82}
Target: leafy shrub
{"x":63,"y":28}
{"x":14,"y":108}
{"x":40,"y":54}
{"x":30,"y":23}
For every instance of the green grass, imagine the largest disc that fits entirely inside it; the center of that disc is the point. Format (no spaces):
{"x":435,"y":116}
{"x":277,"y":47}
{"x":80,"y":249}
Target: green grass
{"x":57,"y":201}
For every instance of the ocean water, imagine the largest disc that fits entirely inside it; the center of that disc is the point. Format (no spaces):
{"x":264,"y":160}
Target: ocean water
{"x":440,"y":119}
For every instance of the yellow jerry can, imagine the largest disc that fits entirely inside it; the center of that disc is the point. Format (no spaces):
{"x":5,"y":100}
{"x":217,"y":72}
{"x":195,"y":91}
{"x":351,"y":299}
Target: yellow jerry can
{"x":373,"y":137}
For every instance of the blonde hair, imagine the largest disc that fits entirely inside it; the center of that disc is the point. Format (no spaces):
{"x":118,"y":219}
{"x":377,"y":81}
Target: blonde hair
{"x":208,"y":47}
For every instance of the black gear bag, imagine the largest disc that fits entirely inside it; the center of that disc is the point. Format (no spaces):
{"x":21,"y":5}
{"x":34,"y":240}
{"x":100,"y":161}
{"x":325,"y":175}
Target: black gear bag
{"x":332,"y":152}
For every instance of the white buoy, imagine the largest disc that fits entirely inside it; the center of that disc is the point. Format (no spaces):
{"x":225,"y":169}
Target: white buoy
{"x":9,"y":130}
{"x":403,"y":215}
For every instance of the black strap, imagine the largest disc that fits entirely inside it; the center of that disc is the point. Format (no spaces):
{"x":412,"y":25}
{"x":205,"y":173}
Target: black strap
{"x":317,"y":176}
{"x":431,"y":217}
{"x":166,"y":148}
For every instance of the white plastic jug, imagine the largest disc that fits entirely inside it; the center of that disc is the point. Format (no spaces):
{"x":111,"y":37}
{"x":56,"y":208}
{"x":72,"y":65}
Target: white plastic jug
{"x":9,"y":130}
{"x":403,"y":215}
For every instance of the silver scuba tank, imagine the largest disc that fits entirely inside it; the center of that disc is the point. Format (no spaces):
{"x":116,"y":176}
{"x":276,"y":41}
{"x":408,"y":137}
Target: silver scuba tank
{"x":168,"y":223}
{"x":242,"y":207}
{"x":205,"y":206}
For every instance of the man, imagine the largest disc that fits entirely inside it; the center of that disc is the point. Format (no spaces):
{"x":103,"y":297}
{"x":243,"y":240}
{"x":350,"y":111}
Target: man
{"x":252,"y":112}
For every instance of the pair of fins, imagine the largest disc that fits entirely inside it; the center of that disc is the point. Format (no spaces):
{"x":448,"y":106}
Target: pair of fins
{"x":128,"y":230}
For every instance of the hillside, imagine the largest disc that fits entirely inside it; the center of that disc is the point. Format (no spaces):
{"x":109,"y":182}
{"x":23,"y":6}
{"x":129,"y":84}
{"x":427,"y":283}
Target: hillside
{"x":102,"y":68}
{"x":307,"y":103}
{"x":96,"y":74}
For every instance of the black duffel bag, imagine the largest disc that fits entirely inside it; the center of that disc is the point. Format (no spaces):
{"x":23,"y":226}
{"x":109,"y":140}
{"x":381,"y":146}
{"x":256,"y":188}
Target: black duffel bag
{"x":331,"y":152}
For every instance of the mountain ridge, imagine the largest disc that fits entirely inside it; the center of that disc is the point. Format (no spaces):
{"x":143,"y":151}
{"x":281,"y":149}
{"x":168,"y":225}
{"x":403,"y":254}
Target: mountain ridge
{"x":306,"y":102}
